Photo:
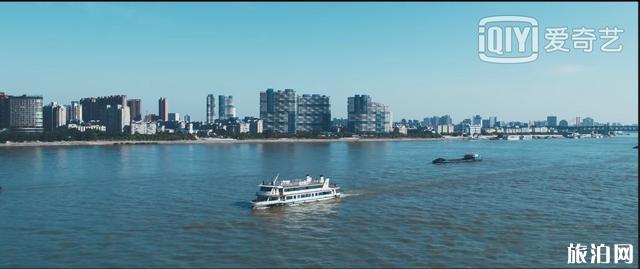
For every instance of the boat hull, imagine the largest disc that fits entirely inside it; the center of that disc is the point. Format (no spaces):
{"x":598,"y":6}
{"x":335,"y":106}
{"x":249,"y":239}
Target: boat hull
{"x":268,"y":204}
{"x":455,"y":161}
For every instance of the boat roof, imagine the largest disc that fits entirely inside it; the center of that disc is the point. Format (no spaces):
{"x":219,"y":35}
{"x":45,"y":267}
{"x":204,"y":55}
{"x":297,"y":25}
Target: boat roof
{"x":294,"y":183}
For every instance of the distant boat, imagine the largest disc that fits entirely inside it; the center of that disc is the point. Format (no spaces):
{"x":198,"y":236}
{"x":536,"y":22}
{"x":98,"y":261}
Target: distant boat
{"x":636,"y":147}
{"x":470,"y":157}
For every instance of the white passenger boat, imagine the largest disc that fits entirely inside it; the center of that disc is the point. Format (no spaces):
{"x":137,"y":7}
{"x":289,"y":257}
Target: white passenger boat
{"x":285,"y":192}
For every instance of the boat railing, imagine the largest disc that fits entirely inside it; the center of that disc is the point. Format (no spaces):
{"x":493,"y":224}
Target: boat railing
{"x":300,"y":183}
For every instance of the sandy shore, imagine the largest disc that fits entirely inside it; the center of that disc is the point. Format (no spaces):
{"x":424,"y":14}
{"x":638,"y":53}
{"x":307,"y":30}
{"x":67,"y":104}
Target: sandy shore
{"x":216,"y":141}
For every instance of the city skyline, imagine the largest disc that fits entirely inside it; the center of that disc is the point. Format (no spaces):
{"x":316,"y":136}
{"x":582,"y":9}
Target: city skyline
{"x":134,"y":105}
{"x":410,"y":65}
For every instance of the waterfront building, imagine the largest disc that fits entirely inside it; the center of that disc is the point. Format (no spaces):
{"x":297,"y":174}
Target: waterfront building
{"x":187,"y":118}
{"x":232,"y":125}
{"x":141,"y":127}
{"x":445,"y":129}
{"x":190,"y":129}
{"x":82,"y":127}
{"x":314,"y":113}
{"x":118,"y":117}
{"x":174,"y":117}
{"x":226,"y":107}
{"x":74,"y":112}
{"x":135,"y":106}
{"x":400,"y":129}
{"x":25,"y":113}
{"x":339,"y":124}
{"x":472,"y":129}
{"x":366,"y":116}
{"x":163,"y":109}
{"x":552,"y":121}
{"x":243,"y":127}
{"x":255,"y":125}
{"x":54,"y":116}
{"x":278,"y":110}
{"x":94,"y":108}
{"x":211,"y":109}
{"x":577,"y":121}
{"x":4,"y":111}
{"x":540,"y":129}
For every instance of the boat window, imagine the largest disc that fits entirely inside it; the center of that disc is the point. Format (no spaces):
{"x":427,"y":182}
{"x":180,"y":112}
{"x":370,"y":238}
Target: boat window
{"x":265,"y":188}
{"x":261,"y":198}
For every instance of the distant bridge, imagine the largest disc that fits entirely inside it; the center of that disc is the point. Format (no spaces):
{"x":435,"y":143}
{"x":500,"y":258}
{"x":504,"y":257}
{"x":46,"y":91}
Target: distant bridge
{"x":598,"y":129}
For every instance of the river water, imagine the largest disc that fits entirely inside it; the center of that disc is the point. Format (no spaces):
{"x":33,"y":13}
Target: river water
{"x":188,"y":205}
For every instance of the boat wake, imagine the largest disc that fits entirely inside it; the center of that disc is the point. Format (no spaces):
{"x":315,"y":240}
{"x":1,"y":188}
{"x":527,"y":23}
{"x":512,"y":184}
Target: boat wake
{"x":344,"y":195}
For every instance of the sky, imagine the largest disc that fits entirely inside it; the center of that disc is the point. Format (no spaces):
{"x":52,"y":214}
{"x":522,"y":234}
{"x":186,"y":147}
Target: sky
{"x":420,"y":59}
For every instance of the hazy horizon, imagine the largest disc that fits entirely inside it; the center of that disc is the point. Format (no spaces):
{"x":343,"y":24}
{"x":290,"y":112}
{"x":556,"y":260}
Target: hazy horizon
{"x":420,"y":59}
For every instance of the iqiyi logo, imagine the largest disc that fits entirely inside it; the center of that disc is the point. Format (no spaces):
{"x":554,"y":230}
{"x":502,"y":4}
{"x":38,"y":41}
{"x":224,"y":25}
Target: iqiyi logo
{"x":514,"y":39}
{"x":508,"y":39}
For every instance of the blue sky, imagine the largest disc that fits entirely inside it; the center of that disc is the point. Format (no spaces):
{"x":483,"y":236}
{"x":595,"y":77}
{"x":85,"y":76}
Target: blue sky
{"x":420,"y":59}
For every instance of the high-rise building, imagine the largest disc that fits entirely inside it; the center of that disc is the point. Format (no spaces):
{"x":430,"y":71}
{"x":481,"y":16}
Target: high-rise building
{"x":577,"y":121}
{"x":4,"y":110}
{"x":314,"y":113}
{"x":366,"y":116}
{"x":74,"y":112}
{"x":445,"y":120}
{"x":486,"y":123}
{"x":54,"y":116}
{"x":552,"y":121}
{"x":187,"y":118}
{"x":431,"y":122}
{"x":118,"y":117}
{"x":151,"y":117}
{"x":211,"y":109}
{"x":226,"y":107}
{"x":587,"y":122}
{"x":25,"y":113}
{"x":174,"y":117}
{"x":489,"y":122}
{"x":477,"y":120}
{"x":95,"y":108}
{"x":493,"y":121}
{"x":278,"y":110}
{"x":163,"y":109}
{"x":135,"y":106}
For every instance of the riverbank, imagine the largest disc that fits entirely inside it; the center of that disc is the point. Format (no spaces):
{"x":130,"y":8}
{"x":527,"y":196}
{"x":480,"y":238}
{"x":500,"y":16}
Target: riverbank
{"x":217,"y":141}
